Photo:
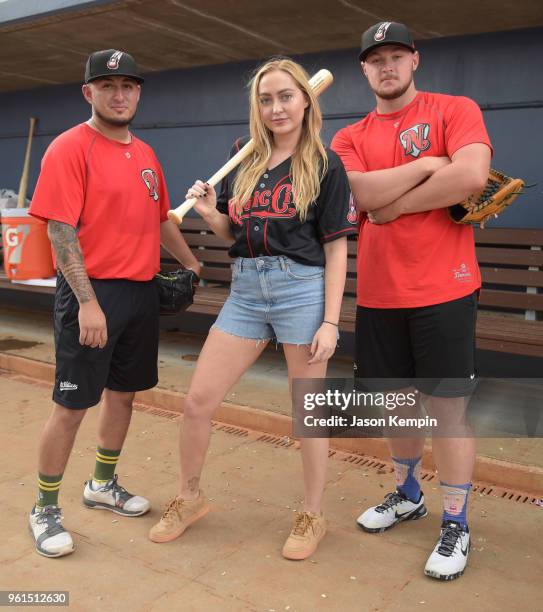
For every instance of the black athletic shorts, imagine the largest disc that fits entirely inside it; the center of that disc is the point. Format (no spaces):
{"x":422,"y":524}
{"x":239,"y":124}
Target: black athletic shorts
{"x":128,"y":362}
{"x":431,"y":347}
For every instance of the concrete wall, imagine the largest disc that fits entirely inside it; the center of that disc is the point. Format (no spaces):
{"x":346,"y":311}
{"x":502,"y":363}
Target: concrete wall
{"x":191,"y":117}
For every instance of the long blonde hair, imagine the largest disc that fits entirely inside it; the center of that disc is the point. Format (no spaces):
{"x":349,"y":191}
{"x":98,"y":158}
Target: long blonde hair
{"x":309,"y":161}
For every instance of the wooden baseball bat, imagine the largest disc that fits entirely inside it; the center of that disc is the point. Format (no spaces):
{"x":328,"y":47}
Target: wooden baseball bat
{"x":23,"y":185}
{"x":319,"y":82}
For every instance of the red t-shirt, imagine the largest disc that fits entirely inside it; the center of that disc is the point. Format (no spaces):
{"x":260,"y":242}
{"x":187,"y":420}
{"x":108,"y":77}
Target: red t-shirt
{"x":114,"y":193}
{"x":423,"y":258}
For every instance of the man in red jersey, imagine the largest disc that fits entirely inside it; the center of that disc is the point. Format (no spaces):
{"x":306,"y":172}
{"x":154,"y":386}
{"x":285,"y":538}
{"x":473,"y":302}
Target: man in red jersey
{"x":418,"y":278}
{"x":104,"y":197}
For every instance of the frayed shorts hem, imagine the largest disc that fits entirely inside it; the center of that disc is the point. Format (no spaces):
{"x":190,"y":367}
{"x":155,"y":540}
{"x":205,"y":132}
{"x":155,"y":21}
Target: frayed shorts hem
{"x":295,"y":342}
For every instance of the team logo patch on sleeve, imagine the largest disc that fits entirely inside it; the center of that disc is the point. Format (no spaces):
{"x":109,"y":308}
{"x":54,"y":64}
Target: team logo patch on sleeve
{"x":113,"y":61}
{"x":151,"y":181}
{"x":415,"y":140}
{"x":352,"y":215}
{"x":382,"y":31}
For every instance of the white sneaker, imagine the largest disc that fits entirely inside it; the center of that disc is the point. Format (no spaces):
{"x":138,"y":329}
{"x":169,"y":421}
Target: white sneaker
{"x":450,"y":555}
{"x":395,"y":509}
{"x":112,"y":496}
{"x":52,"y":540}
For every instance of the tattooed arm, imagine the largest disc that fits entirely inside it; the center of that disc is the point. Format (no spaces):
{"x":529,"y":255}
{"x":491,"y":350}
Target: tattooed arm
{"x":92,"y":322}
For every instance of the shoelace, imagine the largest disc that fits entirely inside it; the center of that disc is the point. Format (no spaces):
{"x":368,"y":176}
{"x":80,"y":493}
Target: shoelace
{"x":51,"y":515}
{"x":304,"y":521}
{"x":118,"y":491}
{"x":171,"y":509}
{"x":391,"y":499}
{"x":449,"y":538}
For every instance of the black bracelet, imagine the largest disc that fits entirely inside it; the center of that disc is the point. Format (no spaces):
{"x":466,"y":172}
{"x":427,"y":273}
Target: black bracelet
{"x":330,"y":323}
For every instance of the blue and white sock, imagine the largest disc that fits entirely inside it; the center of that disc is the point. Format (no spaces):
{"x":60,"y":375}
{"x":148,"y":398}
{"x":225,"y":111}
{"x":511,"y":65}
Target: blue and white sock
{"x":455,"y":502}
{"x":407,"y":472}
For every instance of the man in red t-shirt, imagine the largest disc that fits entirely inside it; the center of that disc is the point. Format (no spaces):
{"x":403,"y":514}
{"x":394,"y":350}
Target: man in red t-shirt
{"x":418,"y":278}
{"x":102,"y":192}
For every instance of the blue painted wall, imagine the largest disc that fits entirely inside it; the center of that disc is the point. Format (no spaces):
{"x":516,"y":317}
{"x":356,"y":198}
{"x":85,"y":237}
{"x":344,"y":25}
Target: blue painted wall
{"x":191,"y":117}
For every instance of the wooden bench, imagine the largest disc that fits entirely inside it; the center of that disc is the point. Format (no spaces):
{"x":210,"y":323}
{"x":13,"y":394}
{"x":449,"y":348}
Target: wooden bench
{"x":212,"y":252}
{"x":511,"y":262}
{"x":511,"y":301}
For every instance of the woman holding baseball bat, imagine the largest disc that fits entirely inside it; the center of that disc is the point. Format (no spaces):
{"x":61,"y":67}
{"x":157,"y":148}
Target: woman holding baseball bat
{"x":287,"y":212}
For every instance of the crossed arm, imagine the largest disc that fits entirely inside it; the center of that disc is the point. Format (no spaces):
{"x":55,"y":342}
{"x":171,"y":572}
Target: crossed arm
{"x":425,"y":184}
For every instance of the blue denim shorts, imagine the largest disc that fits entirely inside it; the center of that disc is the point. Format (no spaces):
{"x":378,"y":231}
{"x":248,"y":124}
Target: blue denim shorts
{"x":274,"y":297}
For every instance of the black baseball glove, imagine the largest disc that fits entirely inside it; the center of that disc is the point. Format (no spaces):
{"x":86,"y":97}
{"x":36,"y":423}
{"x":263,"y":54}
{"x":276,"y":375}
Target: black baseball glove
{"x":176,"y":290}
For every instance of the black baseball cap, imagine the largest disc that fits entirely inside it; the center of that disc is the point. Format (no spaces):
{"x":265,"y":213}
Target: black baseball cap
{"x":385,"y":33}
{"x":111,"y":62}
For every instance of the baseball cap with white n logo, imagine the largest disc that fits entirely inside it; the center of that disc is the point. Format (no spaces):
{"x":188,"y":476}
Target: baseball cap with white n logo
{"x":385,"y":33}
{"x":111,"y":62}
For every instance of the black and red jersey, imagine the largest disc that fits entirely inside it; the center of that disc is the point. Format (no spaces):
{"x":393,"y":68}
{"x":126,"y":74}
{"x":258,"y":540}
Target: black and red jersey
{"x":269,"y":223}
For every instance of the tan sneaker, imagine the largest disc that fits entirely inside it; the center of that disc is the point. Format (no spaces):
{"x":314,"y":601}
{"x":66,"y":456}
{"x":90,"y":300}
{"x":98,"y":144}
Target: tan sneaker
{"x":308,"y":531}
{"x":179,"y":514}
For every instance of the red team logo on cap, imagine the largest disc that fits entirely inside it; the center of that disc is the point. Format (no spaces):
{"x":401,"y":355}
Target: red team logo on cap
{"x":382,"y":31}
{"x":113,"y":61}
{"x":415,"y":139}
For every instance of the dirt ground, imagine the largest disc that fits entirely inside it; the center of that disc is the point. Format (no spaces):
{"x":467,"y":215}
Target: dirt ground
{"x":231,"y":559}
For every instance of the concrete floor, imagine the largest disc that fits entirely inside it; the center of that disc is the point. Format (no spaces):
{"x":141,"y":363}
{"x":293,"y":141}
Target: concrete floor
{"x":231,"y":560}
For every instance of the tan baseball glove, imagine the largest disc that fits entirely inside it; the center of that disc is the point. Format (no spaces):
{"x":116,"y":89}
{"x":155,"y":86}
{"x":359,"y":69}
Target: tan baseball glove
{"x":500,"y":191}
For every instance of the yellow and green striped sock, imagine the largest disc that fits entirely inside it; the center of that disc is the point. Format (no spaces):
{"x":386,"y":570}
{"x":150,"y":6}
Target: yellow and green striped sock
{"x":48,"y":488}
{"x":106,"y":461}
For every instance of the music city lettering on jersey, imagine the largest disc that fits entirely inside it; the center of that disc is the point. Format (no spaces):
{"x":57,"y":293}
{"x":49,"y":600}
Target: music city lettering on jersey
{"x":338,"y":400}
{"x":266,"y":204}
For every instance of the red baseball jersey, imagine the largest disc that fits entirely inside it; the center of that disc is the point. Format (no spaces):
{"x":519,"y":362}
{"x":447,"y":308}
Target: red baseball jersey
{"x":113,"y":193}
{"x":423,"y":258}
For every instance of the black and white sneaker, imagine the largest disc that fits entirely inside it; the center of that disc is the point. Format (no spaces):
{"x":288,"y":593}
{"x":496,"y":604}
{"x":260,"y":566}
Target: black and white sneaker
{"x":112,"y":496}
{"x":51,"y":539}
{"x":395,"y":509}
{"x":450,"y":555}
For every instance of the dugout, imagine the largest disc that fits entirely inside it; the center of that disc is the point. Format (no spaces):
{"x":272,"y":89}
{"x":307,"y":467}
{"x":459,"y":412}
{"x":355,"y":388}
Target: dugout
{"x":197,"y":56}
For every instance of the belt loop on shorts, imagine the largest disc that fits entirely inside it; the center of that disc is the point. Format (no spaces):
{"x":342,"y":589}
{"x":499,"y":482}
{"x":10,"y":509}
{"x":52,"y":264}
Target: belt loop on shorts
{"x":282,"y":262}
{"x":240,"y":264}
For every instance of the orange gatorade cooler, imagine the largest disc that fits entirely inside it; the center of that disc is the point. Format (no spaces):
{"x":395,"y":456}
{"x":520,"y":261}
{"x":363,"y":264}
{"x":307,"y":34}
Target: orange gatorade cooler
{"x":27,"y":249}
